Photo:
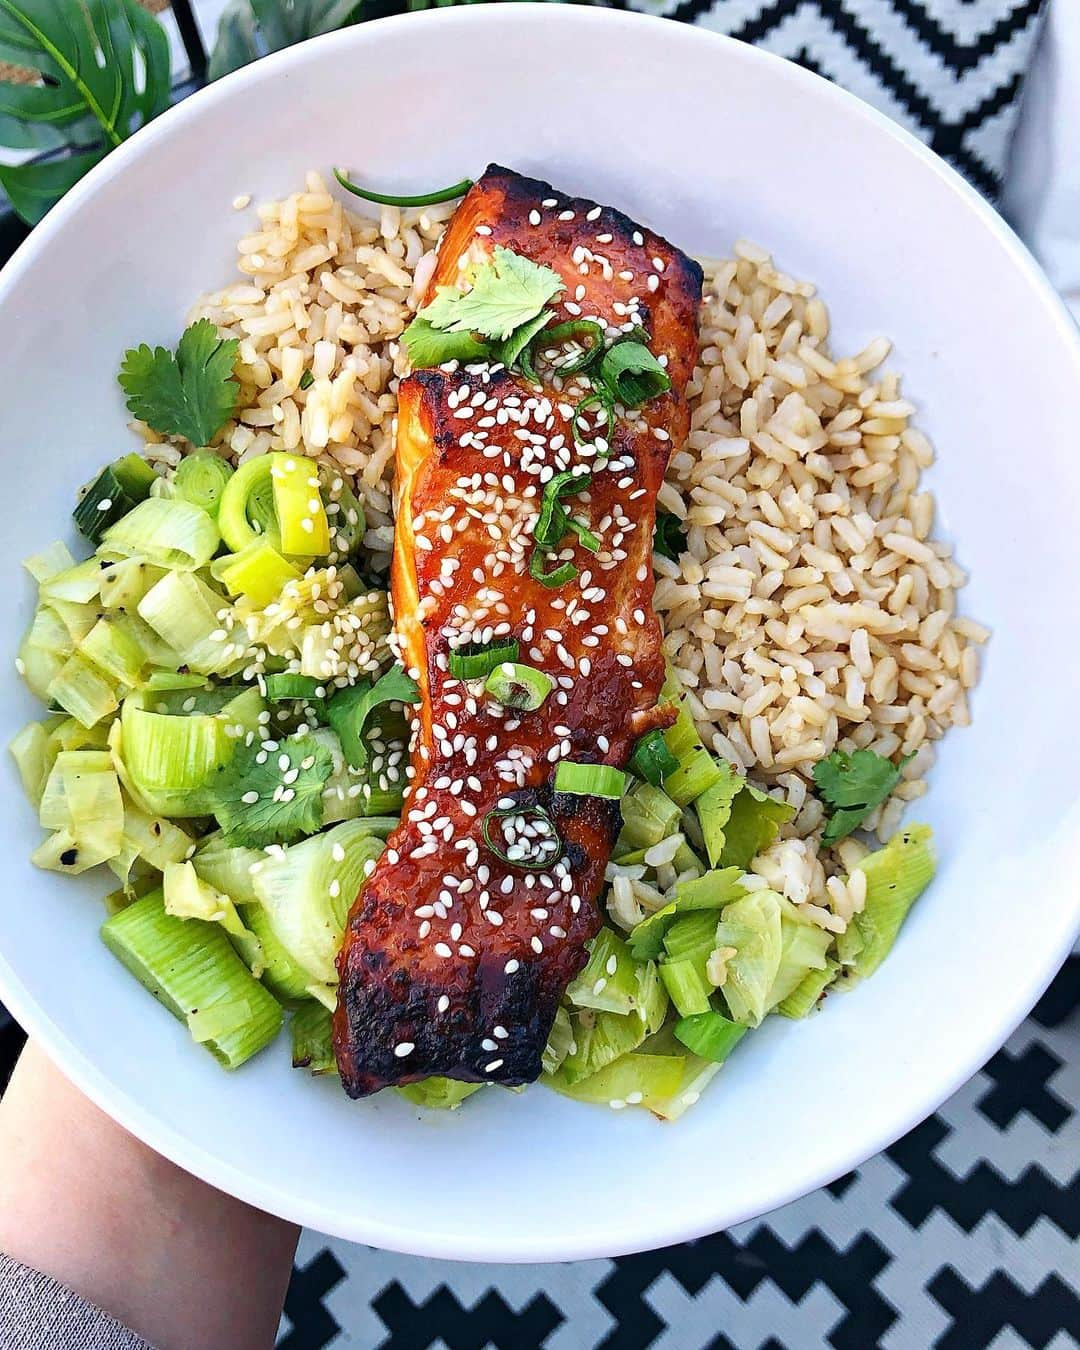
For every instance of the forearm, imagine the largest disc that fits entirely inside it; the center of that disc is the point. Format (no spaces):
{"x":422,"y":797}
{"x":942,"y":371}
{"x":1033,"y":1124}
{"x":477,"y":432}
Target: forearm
{"x":82,"y":1200}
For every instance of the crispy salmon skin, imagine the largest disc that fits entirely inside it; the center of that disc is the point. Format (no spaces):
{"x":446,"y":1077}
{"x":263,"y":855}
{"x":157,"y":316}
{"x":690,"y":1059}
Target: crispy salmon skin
{"x":463,"y":939}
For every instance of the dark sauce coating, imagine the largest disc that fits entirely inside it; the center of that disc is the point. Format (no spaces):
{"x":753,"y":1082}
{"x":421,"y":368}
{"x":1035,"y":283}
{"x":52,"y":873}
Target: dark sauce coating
{"x":454,"y":960}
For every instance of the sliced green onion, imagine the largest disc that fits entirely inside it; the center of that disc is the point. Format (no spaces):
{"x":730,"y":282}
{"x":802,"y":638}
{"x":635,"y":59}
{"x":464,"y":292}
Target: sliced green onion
{"x":171,"y":534}
{"x":518,"y":686}
{"x":583,"y":331}
{"x":590,"y":780}
{"x":669,"y":537}
{"x":135,"y":476}
{"x":201,"y":479}
{"x":709,"y":1035}
{"x":298,"y":505}
{"x":632,"y":374}
{"x":559,"y":576}
{"x":117,"y":489}
{"x":651,"y":758}
{"x":547,"y":846}
{"x":307,"y":379}
{"x":246,"y":512}
{"x":280,"y":687}
{"x":586,"y":538}
{"x":446,"y":194}
{"x":599,"y":398}
{"x":553,"y":521}
{"x":476,"y":660}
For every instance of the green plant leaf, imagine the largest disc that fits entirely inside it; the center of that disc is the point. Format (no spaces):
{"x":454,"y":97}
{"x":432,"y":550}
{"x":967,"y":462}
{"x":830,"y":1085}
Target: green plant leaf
{"x":250,"y":28}
{"x":189,"y":394}
{"x":33,"y":188}
{"x":507,"y":291}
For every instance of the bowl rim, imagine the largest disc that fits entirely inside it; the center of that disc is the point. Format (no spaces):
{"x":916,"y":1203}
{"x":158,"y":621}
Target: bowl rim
{"x":635,"y":1234}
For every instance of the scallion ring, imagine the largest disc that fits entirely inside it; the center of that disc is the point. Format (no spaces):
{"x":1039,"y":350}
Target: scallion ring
{"x":632,"y":374}
{"x":518,"y":686}
{"x":599,"y":398}
{"x":651,"y":758}
{"x":585,"y":331}
{"x":446,"y":194}
{"x":586,"y":538}
{"x":590,"y":780}
{"x":535,"y":847}
{"x":554,"y":519}
{"x":559,"y":576}
{"x":476,"y":660}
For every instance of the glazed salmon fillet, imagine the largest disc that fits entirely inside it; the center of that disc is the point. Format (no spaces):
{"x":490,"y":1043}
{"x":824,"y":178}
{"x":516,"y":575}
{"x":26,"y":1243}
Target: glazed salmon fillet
{"x":463,"y":939}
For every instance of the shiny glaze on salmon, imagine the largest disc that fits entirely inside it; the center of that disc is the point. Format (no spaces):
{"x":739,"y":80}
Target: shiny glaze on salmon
{"x":454,"y":961}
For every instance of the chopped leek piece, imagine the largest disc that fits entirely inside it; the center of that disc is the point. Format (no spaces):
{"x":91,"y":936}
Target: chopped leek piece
{"x":518,"y":686}
{"x":558,"y":1042}
{"x":476,"y":660}
{"x":312,"y":1038}
{"x":153,"y":838}
{"x":631,"y":1080}
{"x":608,"y":981}
{"x":60,"y":852}
{"x":228,"y":867}
{"x":590,"y":780}
{"x":802,"y":953}
{"x":753,"y":823}
{"x":78,"y":584}
{"x":696,"y":1076}
{"x":191,"y":968}
{"x":287,"y":981}
{"x":200,"y":479}
{"x":691,"y":936}
{"x":56,"y":558}
{"x":167,"y":681}
{"x":135,"y":476}
{"x":54,"y":812}
{"x":298,"y":505}
{"x":649,"y":815}
{"x":123,"y":584}
{"x":28,"y":749}
{"x":438,"y":1094}
{"x":77,"y":619}
{"x":49,"y":632}
{"x":246,"y":512}
{"x":187,"y":896}
{"x":697,"y":771}
{"x":599,"y":1039}
{"x":709,"y":1035}
{"x":171,"y":534}
{"x":102,"y":504}
{"x":806,"y":995}
{"x":687,"y":986}
{"x":896,"y":876}
{"x":257,"y":571}
{"x":81,"y":689}
{"x":115,"y":652}
{"x":713,"y":809}
{"x":711,"y":892}
{"x":183,"y":611}
{"x":307,"y":892}
{"x":651,"y":758}
{"x":751,"y":925}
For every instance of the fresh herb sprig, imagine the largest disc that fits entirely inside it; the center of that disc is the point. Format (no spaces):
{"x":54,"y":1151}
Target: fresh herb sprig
{"x":273,"y":802}
{"x":852,"y":786}
{"x":190,"y":393}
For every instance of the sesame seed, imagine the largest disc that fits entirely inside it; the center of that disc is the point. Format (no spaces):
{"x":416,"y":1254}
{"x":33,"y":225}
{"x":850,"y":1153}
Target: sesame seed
{"x":495,"y":1064}
{"x":249,"y":798}
{"x":441,"y":949}
{"x":511,"y":967}
{"x":404,"y":1048}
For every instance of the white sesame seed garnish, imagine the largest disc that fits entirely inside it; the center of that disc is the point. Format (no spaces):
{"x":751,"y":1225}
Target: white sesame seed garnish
{"x":404,"y":1048}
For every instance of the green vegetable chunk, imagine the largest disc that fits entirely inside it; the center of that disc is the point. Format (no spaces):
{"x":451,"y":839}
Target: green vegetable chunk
{"x":438,"y":1094}
{"x":632,"y":374}
{"x":709,"y":1035}
{"x":896,"y":876}
{"x":311,"y":1031}
{"x":191,"y":968}
{"x":191,"y":393}
{"x":201,"y":480}
{"x":753,"y":823}
{"x":277,"y":801}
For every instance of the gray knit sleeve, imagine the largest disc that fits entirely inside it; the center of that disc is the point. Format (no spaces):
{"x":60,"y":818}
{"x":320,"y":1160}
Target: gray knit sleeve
{"x":39,"y":1313}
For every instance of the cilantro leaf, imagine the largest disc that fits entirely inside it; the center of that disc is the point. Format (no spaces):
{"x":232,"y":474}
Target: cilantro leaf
{"x":507,"y":291}
{"x":190,"y":394}
{"x":430,"y":346}
{"x":281,"y":812}
{"x":669,"y":538}
{"x":348,"y":712}
{"x":851,"y":786}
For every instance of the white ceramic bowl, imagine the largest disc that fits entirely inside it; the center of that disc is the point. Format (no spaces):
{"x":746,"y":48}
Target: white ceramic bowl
{"x":709,"y":140}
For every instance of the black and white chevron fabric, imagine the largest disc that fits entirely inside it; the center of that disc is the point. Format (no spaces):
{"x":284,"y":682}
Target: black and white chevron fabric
{"x":965,"y":1235}
{"x":950,"y":71}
